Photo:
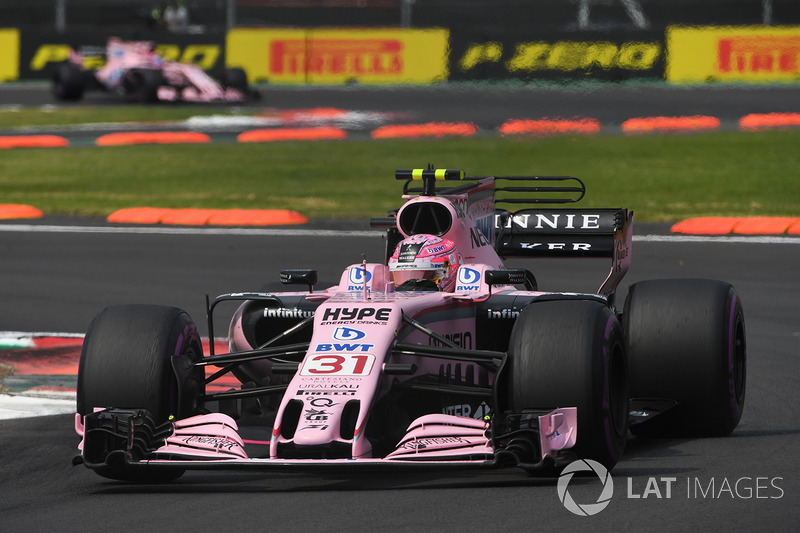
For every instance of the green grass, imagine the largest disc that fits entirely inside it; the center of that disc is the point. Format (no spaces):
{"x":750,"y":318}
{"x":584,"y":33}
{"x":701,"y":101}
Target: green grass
{"x":662,"y":178}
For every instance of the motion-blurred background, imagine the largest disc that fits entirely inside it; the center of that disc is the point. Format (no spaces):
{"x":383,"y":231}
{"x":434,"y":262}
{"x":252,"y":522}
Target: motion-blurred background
{"x":421,"y":41}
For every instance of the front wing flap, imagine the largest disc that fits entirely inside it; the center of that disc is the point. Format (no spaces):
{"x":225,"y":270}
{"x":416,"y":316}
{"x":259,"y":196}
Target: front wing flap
{"x":119,"y":437}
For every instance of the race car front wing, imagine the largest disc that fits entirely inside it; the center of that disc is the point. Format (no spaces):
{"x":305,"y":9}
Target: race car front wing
{"x":131,"y":438}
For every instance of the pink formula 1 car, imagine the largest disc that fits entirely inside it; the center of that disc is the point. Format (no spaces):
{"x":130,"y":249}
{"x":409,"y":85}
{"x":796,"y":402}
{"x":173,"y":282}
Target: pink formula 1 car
{"x":137,"y":71}
{"x":437,"y":357}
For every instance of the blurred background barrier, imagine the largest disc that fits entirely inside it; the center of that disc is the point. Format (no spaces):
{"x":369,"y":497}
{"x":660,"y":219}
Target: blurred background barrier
{"x":622,"y":54}
{"x":9,"y":54}
{"x":420,"y":41}
{"x":332,"y":56}
{"x":218,"y":16}
{"x":733,"y":54}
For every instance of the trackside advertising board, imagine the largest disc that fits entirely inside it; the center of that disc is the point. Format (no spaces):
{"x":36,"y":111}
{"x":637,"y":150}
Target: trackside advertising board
{"x":618,"y":55}
{"x":9,"y":58}
{"x":339,"y":56}
{"x":733,"y":54}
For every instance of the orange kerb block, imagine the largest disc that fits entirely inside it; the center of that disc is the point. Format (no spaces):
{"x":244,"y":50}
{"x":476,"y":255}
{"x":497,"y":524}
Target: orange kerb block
{"x":766,"y":121}
{"x":138,"y":215}
{"x":201,"y":217}
{"x":12,"y":211}
{"x":32,"y":141}
{"x":739,"y":225}
{"x":256,"y":217}
{"x":706,"y":225}
{"x":670,"y":124}
{"x":764,"y":225}
{"x":188,"y":216}
{"x":152,"y":137}
{"x":292,"y":134}
{"x":584,"y":126}
{"x":430,"y":129}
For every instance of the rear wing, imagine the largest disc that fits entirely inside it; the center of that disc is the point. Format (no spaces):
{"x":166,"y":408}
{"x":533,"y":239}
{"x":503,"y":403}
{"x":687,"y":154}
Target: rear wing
{"x":569,"y":233}
{"x":560,"y":232}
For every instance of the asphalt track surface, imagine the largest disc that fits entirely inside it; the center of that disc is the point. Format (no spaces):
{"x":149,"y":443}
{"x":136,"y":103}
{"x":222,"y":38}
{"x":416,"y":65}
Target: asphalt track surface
{"x":55,"y":280}
{"x":57,"y":273}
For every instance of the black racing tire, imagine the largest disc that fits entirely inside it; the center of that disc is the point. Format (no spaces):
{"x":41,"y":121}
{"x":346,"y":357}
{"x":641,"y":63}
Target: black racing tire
{"x":571,"y":353}
{"x":686,"y":342}
{"x":142,"y":84}
{"x":141,"y":357}
{"x":68,"y":82}
{"x":235,"y":78}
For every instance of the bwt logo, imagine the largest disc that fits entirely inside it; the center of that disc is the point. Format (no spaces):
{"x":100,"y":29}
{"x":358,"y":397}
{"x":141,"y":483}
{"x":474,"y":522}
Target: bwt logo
{"x":358,"y":275}
{"x":468,"y":276}
{"x":348,"y":334}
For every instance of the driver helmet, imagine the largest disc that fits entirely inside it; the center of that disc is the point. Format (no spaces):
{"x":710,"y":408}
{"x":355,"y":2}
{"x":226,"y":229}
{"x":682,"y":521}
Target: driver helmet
{"x":424,"y":262}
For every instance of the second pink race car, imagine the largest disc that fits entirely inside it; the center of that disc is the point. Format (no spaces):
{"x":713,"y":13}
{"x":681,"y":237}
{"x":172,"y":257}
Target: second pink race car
{"x":135,"y":70}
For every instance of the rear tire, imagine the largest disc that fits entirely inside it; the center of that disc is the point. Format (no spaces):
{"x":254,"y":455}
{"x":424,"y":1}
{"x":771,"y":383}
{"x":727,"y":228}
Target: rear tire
{"x":68,"y":82}
{"x":570,"y":353}
{"x":235,"y":78}
{"x":686,"y":342}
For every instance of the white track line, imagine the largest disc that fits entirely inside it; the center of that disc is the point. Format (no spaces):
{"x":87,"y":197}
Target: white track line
{"x":28,"y":405}
{"x":734,"y":239}
{"x":164,"y":230}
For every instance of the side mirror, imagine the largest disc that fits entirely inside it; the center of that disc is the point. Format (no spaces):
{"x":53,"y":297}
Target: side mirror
{"x":299,"y":277}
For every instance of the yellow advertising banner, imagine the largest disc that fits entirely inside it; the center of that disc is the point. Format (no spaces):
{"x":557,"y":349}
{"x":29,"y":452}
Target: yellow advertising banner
{"x":339,"y":56}
{"x":9,"y":59}
{"x":738,"y":53}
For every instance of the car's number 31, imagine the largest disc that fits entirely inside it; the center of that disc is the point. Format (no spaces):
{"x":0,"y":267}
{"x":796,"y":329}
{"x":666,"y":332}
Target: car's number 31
{"x":338,"y":365}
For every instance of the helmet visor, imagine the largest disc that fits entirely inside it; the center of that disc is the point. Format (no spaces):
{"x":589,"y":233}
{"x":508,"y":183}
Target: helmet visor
{"x":401,"y":276}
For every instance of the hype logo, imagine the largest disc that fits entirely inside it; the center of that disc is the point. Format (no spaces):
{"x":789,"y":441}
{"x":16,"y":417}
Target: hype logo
{"x":357,"y":275}
{"x":348,"y":334}
{"x":468,"y":276}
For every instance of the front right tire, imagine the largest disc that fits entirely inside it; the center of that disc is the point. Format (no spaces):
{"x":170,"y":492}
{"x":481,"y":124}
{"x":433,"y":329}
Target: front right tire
{"x":570,"y":353}
{"x":141,"y":357}
{"x":142,"y":84}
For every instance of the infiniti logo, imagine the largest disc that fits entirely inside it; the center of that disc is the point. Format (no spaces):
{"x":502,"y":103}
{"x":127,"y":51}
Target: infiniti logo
{"x":348,"y":334}
{"x":587,"y":509}
{"x":467,"y":276}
